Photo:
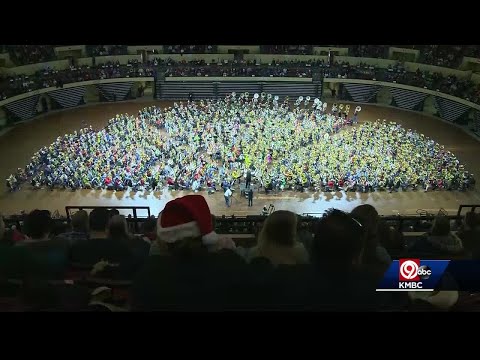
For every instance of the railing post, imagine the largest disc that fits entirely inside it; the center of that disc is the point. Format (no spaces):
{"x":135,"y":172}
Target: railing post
{"x":135,"y":219}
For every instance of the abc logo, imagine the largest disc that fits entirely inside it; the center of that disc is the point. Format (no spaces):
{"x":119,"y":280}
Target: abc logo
{"x":410,"y":270}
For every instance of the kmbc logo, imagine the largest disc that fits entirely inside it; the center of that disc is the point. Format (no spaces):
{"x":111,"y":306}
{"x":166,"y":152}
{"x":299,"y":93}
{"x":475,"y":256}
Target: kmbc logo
{"x":410,"y":271}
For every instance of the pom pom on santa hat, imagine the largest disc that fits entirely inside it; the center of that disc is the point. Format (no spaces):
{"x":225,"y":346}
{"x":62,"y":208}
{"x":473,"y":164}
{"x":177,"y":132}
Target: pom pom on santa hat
{"x":186,"y":217}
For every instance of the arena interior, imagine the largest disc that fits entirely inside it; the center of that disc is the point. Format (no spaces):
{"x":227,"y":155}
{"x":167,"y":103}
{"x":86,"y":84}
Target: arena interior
{"x":245,"y":173}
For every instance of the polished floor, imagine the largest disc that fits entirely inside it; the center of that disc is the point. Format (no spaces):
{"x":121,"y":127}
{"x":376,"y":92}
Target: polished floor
{"x":20,"y":143}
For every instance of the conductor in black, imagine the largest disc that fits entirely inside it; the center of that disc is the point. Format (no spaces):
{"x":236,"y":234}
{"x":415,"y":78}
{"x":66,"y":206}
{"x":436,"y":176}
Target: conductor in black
{"x":248,"y":178}
{"x":250,"y":197}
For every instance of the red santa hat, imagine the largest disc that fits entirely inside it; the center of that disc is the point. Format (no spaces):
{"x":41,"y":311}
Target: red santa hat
{"x":184,"y":217}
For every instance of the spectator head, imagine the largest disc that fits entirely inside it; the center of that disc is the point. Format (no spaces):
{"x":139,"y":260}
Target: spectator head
{"x":472,"y":220}
{"x":117,"y":227}
{"x":99,"y":219}
{"x":367,"y":215}
{"x":112,"y":213}
{"x":338,"y":239}
{"x":149,"y":226}
{"x":389,"y":237}
{"x":441,"y":226}
{"x":59,"y":228}
{"x":38,"y":224}
{"x":185,"y":225}
{"x":80,"y":222}
{"x":279,"y":228}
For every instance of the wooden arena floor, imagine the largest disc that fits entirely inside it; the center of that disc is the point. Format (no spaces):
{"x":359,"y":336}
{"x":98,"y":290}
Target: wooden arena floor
{"x":17,"y":146}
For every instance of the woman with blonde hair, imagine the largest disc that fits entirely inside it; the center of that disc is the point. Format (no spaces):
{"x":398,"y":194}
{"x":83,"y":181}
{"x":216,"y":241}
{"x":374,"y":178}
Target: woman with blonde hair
{"x":277,"y":241}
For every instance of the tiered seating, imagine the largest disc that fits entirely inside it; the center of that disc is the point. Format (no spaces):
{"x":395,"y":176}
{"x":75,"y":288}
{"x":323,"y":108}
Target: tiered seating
{"x":81,"y":285}
{"x":292,"y":90}
{"x":181,"y":90}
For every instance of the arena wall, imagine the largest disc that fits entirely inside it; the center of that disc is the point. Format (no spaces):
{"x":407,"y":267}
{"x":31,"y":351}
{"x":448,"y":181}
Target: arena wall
{"x":191,"y":57}
{"x":133,"y":50}
{"x":267,"y":59}
{"x":412,"y":67}
{"x":318,"y":50}
{"x":445,"y":106}
{"x":72,"y":50}
{"x":122,"y":59}
{"x":33,"y":68}
{"x":5,"y":60}
{"x":470,"y":63}
{"x":252,"y":49}
{"x":392,"y":50}
{"x":381,"y":63}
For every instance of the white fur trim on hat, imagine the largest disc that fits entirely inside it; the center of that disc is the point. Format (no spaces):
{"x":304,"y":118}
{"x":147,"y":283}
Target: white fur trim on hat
{"x":174,"y":233}
{"x":210,"y":239}
{"x":182,"y":231}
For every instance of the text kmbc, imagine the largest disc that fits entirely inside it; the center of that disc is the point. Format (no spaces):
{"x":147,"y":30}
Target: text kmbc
{"x":411,"y":274}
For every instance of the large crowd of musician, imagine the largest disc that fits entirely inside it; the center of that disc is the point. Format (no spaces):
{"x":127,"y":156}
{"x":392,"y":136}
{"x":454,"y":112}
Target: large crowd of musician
{"x":213,"y":144}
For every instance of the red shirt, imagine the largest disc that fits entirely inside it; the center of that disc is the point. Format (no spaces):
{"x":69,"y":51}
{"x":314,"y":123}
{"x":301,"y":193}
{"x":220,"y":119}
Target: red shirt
{"x":17,"y":236}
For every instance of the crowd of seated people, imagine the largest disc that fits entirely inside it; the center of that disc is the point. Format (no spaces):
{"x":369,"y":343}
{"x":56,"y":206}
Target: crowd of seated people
{"x":233,"y":71}
{"x":369,"y":51}
{"x":31,"y":54}
{"x":106,"y":50}
{"x":287,"y":49}
{"x":471,"y":51}
{"x":442,"y":55}
{"x":189,"y":49}
{"x":334,"y":264}
{"x":137,"y":155}
{"x":466,"y":89}
{"x":18,"y":84}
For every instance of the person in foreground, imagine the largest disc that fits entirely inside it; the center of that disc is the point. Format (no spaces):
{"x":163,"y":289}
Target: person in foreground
{"x":342,"y":282}
{"x":193,"y":268}
{"x":277,"y":241}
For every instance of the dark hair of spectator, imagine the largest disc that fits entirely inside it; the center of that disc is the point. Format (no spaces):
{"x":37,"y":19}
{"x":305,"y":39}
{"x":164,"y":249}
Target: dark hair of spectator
{"x":38,"y":224}
{"x":338,"y":239}
{"x":112,"y":213}
{"x":117,"y":228}
{"x":441,"y":226}
{"x":99,"y":219}
{"x":80,"y":222}
{"x":472,"y":219}
{"x":367,"y":215}
{"x":214,"y":221}
{"x":149,"y":226}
